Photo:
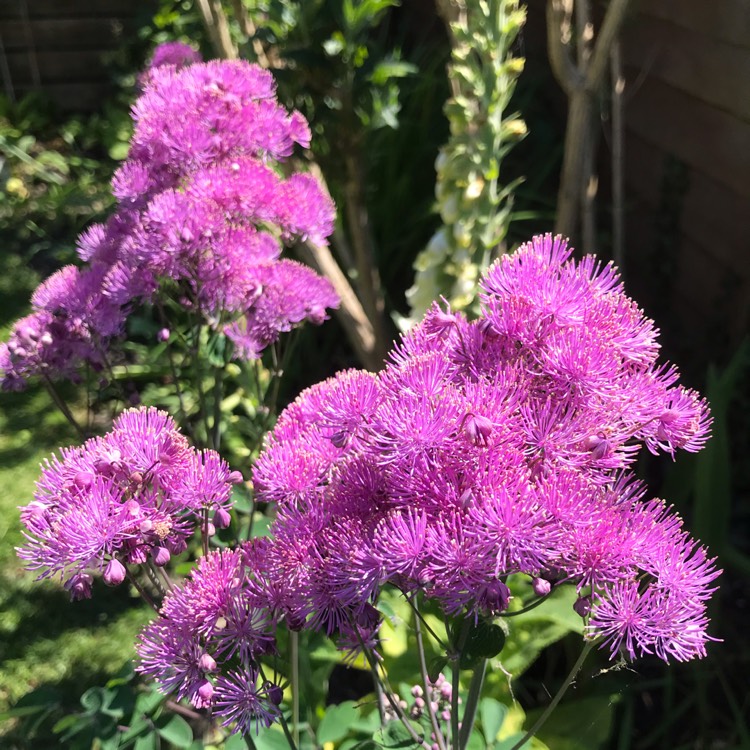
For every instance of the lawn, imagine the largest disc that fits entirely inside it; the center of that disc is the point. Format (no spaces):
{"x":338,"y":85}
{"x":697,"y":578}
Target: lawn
{"x":47,"y":644}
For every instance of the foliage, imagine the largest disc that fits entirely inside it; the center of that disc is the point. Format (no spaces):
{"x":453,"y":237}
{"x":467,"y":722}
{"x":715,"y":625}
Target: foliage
{"x":474,"y":197}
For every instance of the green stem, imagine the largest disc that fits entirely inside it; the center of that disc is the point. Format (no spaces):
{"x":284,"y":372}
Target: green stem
{"x":282,"y":720}
{"x":439,"y":739}
{"x":424,"y":622}
{"x":455,"y":683}
{"x":558,"y":696}
{"x":389,"y":694}
{"x":294,"y":654}
{"x":144,"y":594}
{"x":526,"y":609}
{"x":218,"y":390}
{"x":62,"y":406}
{"x":173,"y":368}
{"x":472,"y":701}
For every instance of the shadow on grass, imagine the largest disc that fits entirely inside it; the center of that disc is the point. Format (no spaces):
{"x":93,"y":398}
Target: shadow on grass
{"x":43,"y":611}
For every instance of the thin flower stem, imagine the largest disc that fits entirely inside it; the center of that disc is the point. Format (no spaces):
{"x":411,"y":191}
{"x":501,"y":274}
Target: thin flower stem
{"x":282,"y":720}
{"x":427,"y":627}
{"x":152,"y":576}
{"x":472,"y":701}
{"x":526,"y":609}
{"x":218,"y":390}
{"x":173,"y":368}
{"x":204,"y":530}
{"x":166,"y":578}
{"x":62,"y":406}
{"x":294,"y":655}
{"x":382,"y":681}
{"x":439,"y":739}
{"x":176,"y":708}
{"x":144,"y":595}
{"x":197,"y":359}
{"x":456,"y":685}
{"x":558,"y":696}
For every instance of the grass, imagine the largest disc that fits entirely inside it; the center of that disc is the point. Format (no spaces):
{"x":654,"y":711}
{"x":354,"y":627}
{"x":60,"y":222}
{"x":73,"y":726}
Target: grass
{"x":47,"y":643}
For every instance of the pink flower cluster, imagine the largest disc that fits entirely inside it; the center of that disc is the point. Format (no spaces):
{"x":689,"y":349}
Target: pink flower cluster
{"x":202,"y":213}
{"x":122,"y":499}
{"x":484,"y":449}
{"x":495,"y":447}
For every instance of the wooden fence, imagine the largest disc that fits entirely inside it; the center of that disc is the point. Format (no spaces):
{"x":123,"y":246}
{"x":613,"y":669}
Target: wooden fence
{"x":687,"y":156}
{"x":57,"y":46}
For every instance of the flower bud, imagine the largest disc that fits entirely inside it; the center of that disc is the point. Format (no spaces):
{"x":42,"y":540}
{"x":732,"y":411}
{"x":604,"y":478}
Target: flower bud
{"x":477,"y":428}
{"x":541,"y":586}
{"x":275,"y":693}
{"x":114,"y":573}
{"x":83,"y":479}
{"x":417,"y":691}
{"x":235,"y":477}
{"x":203,"y":695}
{"x":222,"y":519}
{"x":582,"y":606}
{"x":207,"y":663}
{"x":79,"y":586}
{"x":163,"y":334}
{"x":161,"y":556}
{"x":137,"y":555}
{"x":598,"y":444}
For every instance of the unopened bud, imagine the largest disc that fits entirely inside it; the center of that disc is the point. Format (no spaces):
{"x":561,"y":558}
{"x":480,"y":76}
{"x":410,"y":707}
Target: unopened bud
{"x":477,"y":428}
{"x":541,"y":586}
{"x":161,"y":556}
{"x":203,"y":695}
{"x":275,"y":693}
{"x":582,"y":606}
{"x":114,"y":573}
{"x":83,"y":479}
{"x":79,"y":586}
{"x":207,"y":663}
{"x":222,"y":519}
{"x":163,"y":334}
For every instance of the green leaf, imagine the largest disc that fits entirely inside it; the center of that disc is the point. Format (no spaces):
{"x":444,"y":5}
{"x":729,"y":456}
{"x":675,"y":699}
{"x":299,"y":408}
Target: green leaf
{"x":336,"y":722}
{"x":395,"y":735}
{"x":177,"y":731}
{"x":579,"y":725}
{"x":147,"y":742}
{"x":95,"y":699}
{"x":119,"y":151}
{"x":436,"y":666}
{"x":485,"y":640}
{"x":235,"y":742}
{"x":387,"y":69}
{"x":492,"y":714}
{"x":270,"y":739}
{"x":365,"y":745}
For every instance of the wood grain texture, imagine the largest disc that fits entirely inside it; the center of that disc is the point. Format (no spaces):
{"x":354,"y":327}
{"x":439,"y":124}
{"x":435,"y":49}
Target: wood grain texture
{"x":714,"y":216}
{"x":725,"y":20}
{"x":710,"y":140}
{"x":45,"y":9}
{"x":61,"y":34}
{"x":713,"y":71}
